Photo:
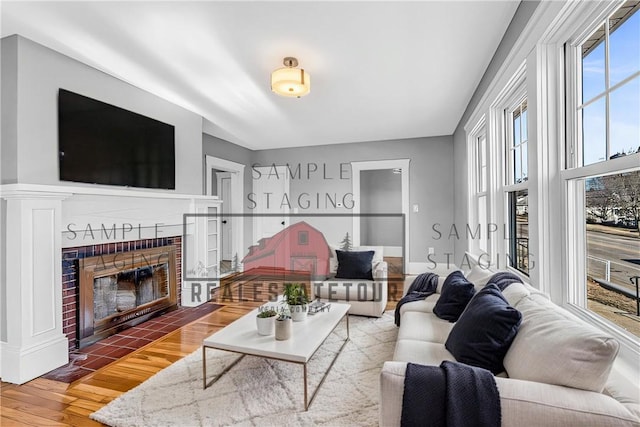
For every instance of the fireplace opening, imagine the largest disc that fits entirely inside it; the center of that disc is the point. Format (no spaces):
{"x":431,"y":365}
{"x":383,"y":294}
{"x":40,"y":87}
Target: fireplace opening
{"x":122,"y":290}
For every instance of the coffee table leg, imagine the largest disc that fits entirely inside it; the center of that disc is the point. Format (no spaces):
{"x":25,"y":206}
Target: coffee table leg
{"x":347,"y":316}
{"x":306,"y":402}
{"x":204,"y":367}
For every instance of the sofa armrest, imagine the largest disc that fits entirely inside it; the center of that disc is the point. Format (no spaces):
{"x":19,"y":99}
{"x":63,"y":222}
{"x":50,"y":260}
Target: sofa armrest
{"x":521,"y":402}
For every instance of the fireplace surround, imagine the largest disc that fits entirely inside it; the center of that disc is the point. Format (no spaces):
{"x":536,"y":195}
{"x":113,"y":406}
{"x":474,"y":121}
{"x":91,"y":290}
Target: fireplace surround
{"x":104,"y":261}
{"x":48,"y":234}
{"x":124,"y":289}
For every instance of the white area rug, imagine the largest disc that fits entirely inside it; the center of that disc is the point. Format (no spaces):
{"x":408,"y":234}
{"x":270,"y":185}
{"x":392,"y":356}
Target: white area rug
{"x":261,"y":392}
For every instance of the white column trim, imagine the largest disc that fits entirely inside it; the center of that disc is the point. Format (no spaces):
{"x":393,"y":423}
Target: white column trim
{"x":35,"y":342}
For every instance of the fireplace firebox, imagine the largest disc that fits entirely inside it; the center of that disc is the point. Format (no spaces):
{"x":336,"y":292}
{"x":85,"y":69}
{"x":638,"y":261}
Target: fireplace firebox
{"x":121,"y":290}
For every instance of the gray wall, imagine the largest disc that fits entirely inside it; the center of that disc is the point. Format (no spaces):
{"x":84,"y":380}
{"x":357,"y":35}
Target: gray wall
{"x":430,"y":184}
{"x":518,"y":23}
{"x":222,"y":149}
{"x":380,"y":192}
{"x":40,"y":73}
{"x":9,"y":135}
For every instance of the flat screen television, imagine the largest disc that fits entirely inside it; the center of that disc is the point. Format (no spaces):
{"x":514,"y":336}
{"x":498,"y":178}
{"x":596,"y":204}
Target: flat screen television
{"x":104,"y":144}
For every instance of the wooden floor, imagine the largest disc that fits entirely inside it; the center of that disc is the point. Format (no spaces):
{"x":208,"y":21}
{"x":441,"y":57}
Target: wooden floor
{"x":46,"y":402}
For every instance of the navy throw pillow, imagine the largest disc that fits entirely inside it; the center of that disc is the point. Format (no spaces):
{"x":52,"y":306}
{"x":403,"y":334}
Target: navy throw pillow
{"x":485,"y":331}
{"x":355,"y":265}
{"x":456,"y":294}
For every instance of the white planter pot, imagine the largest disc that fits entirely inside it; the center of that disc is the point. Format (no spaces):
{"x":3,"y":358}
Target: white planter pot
{"x":266,"y":325}
{"x":298,"y":312}
{"x":283,"y":329}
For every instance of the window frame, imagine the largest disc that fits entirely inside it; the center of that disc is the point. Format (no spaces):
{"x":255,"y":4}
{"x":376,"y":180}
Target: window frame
{"x":476,"y":192}
{"x":573,"y":174}
{"x":513,"y":95}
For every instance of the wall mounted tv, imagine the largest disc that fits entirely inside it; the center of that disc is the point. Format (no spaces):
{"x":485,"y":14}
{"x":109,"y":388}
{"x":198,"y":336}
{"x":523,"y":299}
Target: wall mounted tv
{"x":104,"y":144}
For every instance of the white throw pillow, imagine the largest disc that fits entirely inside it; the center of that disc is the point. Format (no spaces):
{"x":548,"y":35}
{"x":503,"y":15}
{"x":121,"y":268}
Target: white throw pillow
{"x":479,"y":276}
{"x":554,"y":347}
{"x":514,"y":293}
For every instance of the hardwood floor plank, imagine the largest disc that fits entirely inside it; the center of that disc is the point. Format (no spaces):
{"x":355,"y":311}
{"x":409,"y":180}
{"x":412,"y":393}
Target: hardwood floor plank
{"x":21,"y":417}
{"x":54,"y":414}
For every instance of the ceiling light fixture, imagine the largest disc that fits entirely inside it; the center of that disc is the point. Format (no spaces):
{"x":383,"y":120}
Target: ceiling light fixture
{"x":290,"y":81}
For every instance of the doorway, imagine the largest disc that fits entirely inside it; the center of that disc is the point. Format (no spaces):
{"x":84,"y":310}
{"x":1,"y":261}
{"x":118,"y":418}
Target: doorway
{"x":271,"y":198}
{"x":225,"y":180}
{"x":397,"y":167}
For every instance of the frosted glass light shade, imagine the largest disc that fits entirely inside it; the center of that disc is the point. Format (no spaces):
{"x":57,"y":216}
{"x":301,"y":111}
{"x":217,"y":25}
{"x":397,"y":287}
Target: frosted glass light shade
{"x":292,"y":82}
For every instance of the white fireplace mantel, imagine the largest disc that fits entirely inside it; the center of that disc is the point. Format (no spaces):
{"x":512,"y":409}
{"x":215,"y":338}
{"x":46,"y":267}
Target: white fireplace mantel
{"x":40,"y":220}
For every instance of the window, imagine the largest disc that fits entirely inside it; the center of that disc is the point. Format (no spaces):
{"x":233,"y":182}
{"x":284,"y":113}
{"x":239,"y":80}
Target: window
{"x":517,"y":155}
{"x":602,"y":176}
{"x":519,"y":230}
{"x":612,"y":213}
{"x":478,"y":220}
{"x":517,"y":194}
{"x":608,"y":105}
{"x":303,"y":237}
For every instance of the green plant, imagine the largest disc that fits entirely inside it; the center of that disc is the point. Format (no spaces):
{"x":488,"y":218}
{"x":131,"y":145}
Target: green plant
{"x":267,"y":313}
{"x":295,"y":294}
{"x":283,"y":316}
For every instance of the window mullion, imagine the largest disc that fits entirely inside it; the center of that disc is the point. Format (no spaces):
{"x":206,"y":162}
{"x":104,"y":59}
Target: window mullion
{"x":606,"y":90}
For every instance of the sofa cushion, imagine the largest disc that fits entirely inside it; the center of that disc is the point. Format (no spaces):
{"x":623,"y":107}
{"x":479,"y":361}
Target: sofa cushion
{"x":426,"y":353}
{"x":456,"y":294}
{"x":355,"y":265}
{"x":485,"y":330}
{"x":425,"y":306}
{"x":424,"y":327}
{"x":556,"y":347}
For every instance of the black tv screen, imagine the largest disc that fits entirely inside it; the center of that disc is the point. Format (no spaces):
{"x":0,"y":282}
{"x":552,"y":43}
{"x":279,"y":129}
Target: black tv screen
{"x":104,"y":144}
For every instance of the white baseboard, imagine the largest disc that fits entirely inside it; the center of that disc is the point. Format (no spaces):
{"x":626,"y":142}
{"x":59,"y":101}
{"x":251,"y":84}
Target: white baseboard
{"x":20,"y":365}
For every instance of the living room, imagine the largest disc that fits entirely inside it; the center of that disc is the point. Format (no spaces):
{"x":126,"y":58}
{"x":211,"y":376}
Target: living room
{"x":451,"y":196}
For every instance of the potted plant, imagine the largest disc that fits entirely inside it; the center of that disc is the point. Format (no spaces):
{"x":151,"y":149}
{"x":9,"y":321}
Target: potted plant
{"x":296,"y":298}
{"x":283,"y":327}
{"x":265,"y":321}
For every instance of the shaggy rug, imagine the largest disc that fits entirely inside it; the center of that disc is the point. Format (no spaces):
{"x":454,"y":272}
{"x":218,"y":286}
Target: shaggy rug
{"x":266,"y":392}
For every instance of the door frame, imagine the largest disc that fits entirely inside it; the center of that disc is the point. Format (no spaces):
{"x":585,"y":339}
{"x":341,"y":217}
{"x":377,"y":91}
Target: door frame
{"x":219,"y":177}
{"x":237,"y":188}
{"x":403,"y":165}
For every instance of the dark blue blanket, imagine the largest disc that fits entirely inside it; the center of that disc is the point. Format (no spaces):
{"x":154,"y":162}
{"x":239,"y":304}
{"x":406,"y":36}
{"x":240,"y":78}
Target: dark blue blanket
{"x":504,"y":279}
{"x":423,"y":285}
{"x":451,"y":395}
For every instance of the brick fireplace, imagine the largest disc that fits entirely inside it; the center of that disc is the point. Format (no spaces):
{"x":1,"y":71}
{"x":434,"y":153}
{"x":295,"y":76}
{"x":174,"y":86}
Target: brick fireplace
{"x":114,"y":256}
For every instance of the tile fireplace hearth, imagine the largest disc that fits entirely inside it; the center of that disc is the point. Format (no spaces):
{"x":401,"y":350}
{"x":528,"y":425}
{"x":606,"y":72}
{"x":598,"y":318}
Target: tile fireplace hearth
{"x":95,"y":356}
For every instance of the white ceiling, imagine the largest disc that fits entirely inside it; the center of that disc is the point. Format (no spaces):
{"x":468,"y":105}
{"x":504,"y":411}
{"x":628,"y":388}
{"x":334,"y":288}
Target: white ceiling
{"x":380,"y":70}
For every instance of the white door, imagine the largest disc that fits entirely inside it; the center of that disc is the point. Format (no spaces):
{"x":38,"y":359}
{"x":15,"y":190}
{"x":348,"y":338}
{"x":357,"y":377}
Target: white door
{"x":224,"y":192}
{"x":271,"y":197}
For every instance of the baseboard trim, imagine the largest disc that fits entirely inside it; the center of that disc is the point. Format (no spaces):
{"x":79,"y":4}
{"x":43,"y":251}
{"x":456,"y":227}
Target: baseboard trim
{"x":20,"y":365}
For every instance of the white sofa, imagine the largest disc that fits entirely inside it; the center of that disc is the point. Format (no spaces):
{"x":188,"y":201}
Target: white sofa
{"x":559,"y":367}
{"x":367,"y":297}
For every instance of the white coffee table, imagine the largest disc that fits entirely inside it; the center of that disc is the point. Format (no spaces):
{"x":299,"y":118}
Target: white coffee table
{"x":307,"y":336}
